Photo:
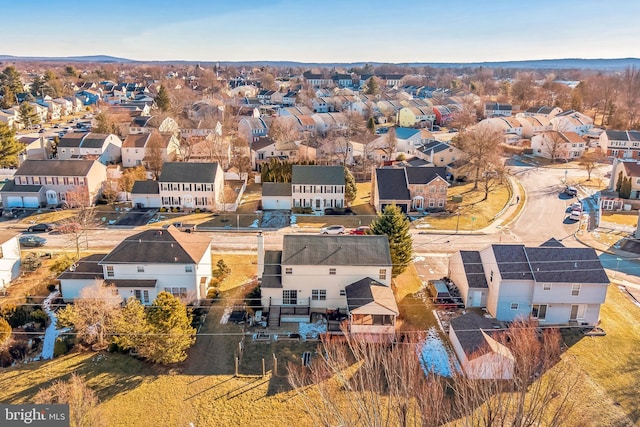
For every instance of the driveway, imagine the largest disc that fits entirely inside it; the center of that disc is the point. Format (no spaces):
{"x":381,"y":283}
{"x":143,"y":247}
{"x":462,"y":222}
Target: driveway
{"x":136,"y":217}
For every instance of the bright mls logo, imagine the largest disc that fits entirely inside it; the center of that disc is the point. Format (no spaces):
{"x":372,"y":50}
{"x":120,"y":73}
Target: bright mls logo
{"x":34,"y":415}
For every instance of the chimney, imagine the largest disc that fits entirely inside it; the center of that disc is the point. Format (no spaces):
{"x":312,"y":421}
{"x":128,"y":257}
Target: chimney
{"x":260,"y":254}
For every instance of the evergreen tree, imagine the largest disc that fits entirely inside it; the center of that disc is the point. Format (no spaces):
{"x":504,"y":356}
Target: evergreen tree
{"x":162,"y":100}
{"x":350,"y":188}
{"x":28,"y":115}
{"x":8,"y":99}
{"x":9,"y":146}
{"x":5,"y":332}
{"x":373,"y":87}
{"x":11,"y":77}
{"x":394,"y":223}
{"x":625,"y":190}
{"x":619,"y":182}
{"x":371,"y":125}
{"x":171,"y":330}
{"x":105,"y":125}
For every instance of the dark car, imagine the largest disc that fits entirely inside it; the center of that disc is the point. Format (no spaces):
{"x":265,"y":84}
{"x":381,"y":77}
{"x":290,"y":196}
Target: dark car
{"x":44,"y":227}
{"x":360,"y":230}
{"x":32,"y":241}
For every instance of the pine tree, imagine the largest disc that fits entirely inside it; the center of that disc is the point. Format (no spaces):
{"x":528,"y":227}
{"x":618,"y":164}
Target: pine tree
{"x":373,"y":88}
{"x":350,"y":188}
{"x":619,"y":182}
{"x":5,"y":332}
{"x":394,"y":223}
{"x":162,"y":100}
{"x":28,"y":115}
{"x":170,"y":325}
{"x":11,"y":77}
{"x":371,"y":125}
{"x":9,"y":146}
{"x":8,"y":99}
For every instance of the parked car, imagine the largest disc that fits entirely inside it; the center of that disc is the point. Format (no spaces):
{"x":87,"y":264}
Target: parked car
{"x":576,"y":206}
{"x":41,"y":227}
{"x":570,"y":191}
{"x":332,"y":229}
{"x":575,"y":215}
{"x":32,"y":241}
{"x":360,"y":230}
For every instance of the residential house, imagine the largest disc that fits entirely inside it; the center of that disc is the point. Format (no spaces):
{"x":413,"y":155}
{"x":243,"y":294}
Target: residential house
{"x":40,"y":183}
{"x":136,"y":148}
{"x":106,"y":148}
{"x":443,"y":114}
{"x":558,"y":145}
{"x":391,"y":80}
{"x":572,"y":121}
{"x":9,"y":258}
{"x":497,"y":109}
{"x":54,"y":110}
{"x":481,"y":355}
{"x":552,"y":283}
{"x":276,"y":195}
{"x":343,"y":80}
{"x":409,"y":140}
{"x":416,"y":116}
{"x":625,"y":169}
{"x":533,"y":125}
{"x":509,"y":126}
{"x":320,"y":273}
{"x":89,"y":96}
{"x":265,"y":149}
{"x":187,"y":186}
{"x":620,"y":144}
{"x":145,"y":264}
{"x":252,"y":129}
{"x":317,"y":187}
{"x":147,"y":124}
{"x":35,"y":148}
{"x":10,"y":118}
{"x":42,"y":111}
{"x":320,"y":105}
{"x":439,"y":153}
{"x":544,"y":110}
{"x":317,"y":81}
{"x":409,"y":188}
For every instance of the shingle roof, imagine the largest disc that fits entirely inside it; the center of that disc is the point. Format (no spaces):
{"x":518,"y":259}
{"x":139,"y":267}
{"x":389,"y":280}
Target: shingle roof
{"x":6,"y":235}
{"x":148,"y":186}
{"x":631,"y":169}
{"x":85,"y":268}
{"x":11,"y":187}
{"x":55,"y":168}
{"x":188,"y":172}
{"x":132,"y":283}
{"x":170,"y":246}
{"x":566,"y":265}
{"x":276,"y":189}
{"x":71,"y":140}
{"x":392,"y":184}
{"x":136,"y":140}
{"x":272,"y":274}
{"x":94,"y":140}
{"x":468,"y":328}
{"x":336,"y":250}
{"x":473,"y":269}
{"x":367,"y":291}
{"x":318,"y":175}
{"x":512,"y":262}
{"x":425,"y":175}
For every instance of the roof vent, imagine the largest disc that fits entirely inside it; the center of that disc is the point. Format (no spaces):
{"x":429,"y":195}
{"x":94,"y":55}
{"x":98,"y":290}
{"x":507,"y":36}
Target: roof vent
{"x":72,"y":267}
{"x":175,"y":258}
{"x":575,"y":265}
{"x":139,"y":240}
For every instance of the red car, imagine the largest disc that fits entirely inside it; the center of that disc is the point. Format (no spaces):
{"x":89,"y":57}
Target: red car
{"x":360,"y":230}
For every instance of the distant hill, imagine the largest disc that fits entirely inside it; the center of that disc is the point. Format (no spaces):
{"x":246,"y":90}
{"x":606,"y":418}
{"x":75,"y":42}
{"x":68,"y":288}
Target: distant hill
{"x":542,"y":64}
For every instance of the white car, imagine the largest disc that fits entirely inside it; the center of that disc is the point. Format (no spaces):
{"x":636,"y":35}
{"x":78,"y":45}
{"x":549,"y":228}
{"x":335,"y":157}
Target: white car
{"x":333,"y":229}
{"x":576,"y":206}
{"x":575,"y":215}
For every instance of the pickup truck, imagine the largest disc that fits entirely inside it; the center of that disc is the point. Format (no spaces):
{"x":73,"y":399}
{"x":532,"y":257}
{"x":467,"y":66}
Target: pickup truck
{"x":188,"y":228}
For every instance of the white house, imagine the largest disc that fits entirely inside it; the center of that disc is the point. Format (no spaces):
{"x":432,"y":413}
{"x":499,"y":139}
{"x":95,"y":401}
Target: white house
{"x":552,"y":283}
{"x":558,"y":145}
{"x":135,"y":147}
{"x":276,"y":195}
{"x":621,"y":144}
{"x":106,"y":148}
{"x":9,"y":258}
{"x":317,"y":187}
{"x":146,"y":264}
{"x":320,"y":273}
{"x":572,"y":121}
{"x":497,"y":109}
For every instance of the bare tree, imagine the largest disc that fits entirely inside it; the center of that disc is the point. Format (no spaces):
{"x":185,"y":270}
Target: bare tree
{"x":389,"y":143}
{"x":283,"y":130}
{"x":78,"y":226}
{"x":552,"y":144}
{"x":630,"y":96}
{"x":82,"y":400}
{"x":590,"y":161}
{"x":480,"y":146}
{"x":155,"y":154}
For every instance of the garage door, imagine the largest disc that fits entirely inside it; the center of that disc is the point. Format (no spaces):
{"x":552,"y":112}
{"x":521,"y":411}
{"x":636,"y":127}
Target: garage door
{"x":403,"y":207}
{"x":31,"y":202}
{"x":14,"y":202}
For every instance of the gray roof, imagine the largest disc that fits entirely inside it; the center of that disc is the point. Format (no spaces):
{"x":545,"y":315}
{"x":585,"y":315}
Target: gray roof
{"x":361,"y":293}
{"x":497,"y":106}
{"x":318,"y":175}
{"x":512,"y":262}
{"x":170,"y":246}
{"x":468,"y":329}
{"x":473,"y":269}
{"x":623,"y":135}
{"x":392,"y":184}
{"x":94,"y":140}
{"x":272,"y":274}
{"x":11,"y":187}
{"x":188,"y":172}
{"x":553,"y":243}
{"x":276,"y":189}
{"x":148,"y":186}
{"x":55,"y":168}
{"x":336,"y":250}
{"x":71,"y":140}
{"x":566,"y":265}
{"x":424,"y":175}
{"x":85,"y":268}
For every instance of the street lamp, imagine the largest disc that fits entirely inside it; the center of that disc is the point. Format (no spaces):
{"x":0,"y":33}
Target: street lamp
{"x":615,"y":273}
{"x":458,"y":220}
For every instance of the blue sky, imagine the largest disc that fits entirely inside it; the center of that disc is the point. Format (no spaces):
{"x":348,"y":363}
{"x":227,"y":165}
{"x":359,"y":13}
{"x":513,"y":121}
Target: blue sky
{"x":323,"y":31}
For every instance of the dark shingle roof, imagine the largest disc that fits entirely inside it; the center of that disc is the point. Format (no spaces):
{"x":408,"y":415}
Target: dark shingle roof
{"x":336,"y":250}
{"x":71,"y":140}
{"x":368,"y":290}
{"x":94,"y":140}
{"x":468,"y":329}
{"x":11,"y":187}
{"x":272,"y":274}
{"x":276,"y":189}
{"x":473,"y":269}
{"x":318,"y":175}
{"x":85,"y":268}
{"x":553,"y":243}
{"x":424,"y":175}
{"x":55,"y":168}
{"x":512,"y":262}
{"x":146,"y":187}
{"x":188,"y":172}
{"x":566,"y":265}
{"x":170,"y":246}
{"x":392,"y":184}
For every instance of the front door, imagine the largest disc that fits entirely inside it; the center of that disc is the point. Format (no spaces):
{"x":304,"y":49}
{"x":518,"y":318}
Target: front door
{"x":476,"y":298}
{"x":289,"y":297}
{"x":52,"y":197}
{"x":577,"y":312}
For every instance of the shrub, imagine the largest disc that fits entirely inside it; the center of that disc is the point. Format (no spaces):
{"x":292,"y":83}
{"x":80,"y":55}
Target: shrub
{"x":60,"y":347}
{"x":61,"y":263}
{"x":39,"y":316}
{"x":51,"y":287}
{"x":253,"y":298}
{"x":163,"y":209}
{"x":213,"y":293}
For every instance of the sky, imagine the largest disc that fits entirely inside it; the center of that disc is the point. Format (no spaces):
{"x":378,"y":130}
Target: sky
{"x":323,"y":31}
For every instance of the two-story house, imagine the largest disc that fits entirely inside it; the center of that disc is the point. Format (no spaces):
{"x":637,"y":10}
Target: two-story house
{"x":350,"y":274}
{"x":544,"y":111}
{"x":106,"y":148}
{"x":317,"y":187}
{"x":558,"y":145}
{"x":136,"y":147}
{"x":439,"y":153}
{"x":552,"y":283}
{"x":252,"y":128}
{"x":416,"y":116}
{"x":40,"y":183}
{"x":183,"y":185}
{"x":621,"y":144}
{"x":409,"y":188}
{"x":572,"y":121}
{"x":622,"y":170}
{"x":146,"y":264}
{"x":9,"y":258}
{"x":497,"y":109}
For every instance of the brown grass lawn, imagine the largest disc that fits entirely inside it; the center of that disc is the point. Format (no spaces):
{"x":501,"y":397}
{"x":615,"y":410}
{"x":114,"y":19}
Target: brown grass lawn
{"x":415,"y":313}
{"x":474,"y":212}
{"x":621,"y":218}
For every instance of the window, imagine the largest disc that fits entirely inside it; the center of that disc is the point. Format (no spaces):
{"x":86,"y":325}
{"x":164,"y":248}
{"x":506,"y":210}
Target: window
{"x":539,"y":311}
{"x":514,"y":306}
{"x":332,"y":271}
{"x":141,"y":269}
{"x":343,"y":292}
{"x":491,"y":276}
{"x":288,"y":270}
{"x":546,"y":286}
{"x":188,"y":268}
{"x":290,"y":296}
{"x":382,"y":274}
{"x":109,"y":270}
{"x":177,"y":292}
{"x":575,"y":289}
{"x":318,"y":294}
